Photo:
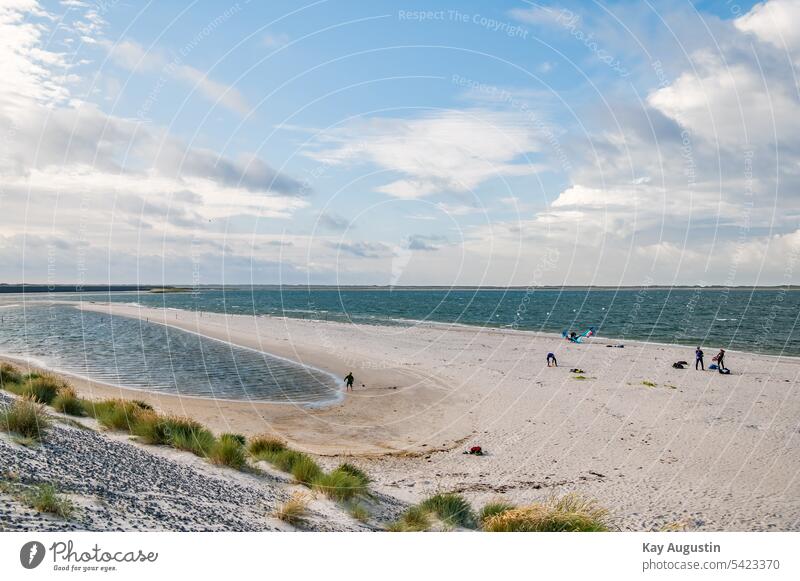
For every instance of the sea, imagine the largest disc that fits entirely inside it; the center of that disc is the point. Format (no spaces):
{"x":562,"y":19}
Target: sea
{"x":133,"y":353}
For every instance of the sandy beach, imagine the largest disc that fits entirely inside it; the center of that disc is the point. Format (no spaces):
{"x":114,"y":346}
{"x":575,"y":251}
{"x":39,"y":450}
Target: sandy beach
{"x":705,"y":451}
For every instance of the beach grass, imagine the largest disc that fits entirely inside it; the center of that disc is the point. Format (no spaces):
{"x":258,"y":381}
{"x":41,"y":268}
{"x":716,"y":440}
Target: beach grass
{"x":450,"y":508}
{"x":358,"y":512}
{"x":187,"y":434}
{"x":46,"y":498}
{"x":415,"y":519}
{"x":493,"y":509}
{"x":570,"y":513}
{"x":68,"y":402}
{"x":115,"y":414}
{"x":265,"y":444}
{"x":228,"y":450}
{"x":9,"y":375}
{"x":340,"y":485}
{"x":305,"y":470}
{"x":294,"y":510}
{"x":25,"y":418}
{"x":43,"y":389}
{"x":355,"y":471}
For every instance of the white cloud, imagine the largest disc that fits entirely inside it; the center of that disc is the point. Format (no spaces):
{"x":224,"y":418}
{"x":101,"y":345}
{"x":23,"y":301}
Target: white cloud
{"x":442,"y":151}
{"x":134,"y":57}
{"x":774,"y":22}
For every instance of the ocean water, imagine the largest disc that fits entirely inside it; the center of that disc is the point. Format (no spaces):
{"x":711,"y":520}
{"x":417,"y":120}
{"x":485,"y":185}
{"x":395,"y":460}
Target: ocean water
{"x":141,"y":355}
{"x":129,"y":352}
{"x":761,"y":321}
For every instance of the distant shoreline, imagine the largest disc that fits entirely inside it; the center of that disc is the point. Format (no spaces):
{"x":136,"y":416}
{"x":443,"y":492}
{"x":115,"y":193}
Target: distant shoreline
{"x":89,"y":289}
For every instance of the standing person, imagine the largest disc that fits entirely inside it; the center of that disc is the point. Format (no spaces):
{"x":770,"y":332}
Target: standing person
{"x":720,"y":358}
{"x":349,"y":379}
{"x":551,"y":358}
{"x":698,"y":359}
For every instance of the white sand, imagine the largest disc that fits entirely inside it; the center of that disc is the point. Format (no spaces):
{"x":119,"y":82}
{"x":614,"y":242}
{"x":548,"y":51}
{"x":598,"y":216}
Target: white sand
{"x":714,"y":452}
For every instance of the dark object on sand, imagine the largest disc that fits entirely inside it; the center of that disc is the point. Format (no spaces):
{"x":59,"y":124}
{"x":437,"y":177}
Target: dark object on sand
{"x":679,"y":365}
{"x":475,"y":451}
{"x":576,"y":370}
{"x":712,"y":366}
{"x":620,"y":346}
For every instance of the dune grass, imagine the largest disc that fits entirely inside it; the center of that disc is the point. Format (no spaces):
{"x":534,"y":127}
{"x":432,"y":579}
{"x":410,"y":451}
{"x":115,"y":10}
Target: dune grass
{"x":415,"y":519}
{"x":450,"y":508}
{"x":354,"y":471}
{"x":25,"y":418}
{"x":45,"y":498}
{"x":305,"y":470}
{"x":358,"y":512}
{"x":9,"y":375}
{"x":228,"y":450}
{"x":265,"y":444}
{"x":68,"y":402}
{"x":187,"y":434}
{"x":294,"y":510}
{"x":493,"y":509}
{"x":570,"y":513}
{"x":340,"y":485}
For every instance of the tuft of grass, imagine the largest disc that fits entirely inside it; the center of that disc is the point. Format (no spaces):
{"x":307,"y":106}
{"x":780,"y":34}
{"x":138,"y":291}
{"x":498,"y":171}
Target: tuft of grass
{"x":415,"y":519}
{"x":283,"y":459}
{"x":648,"y":383}
{"x":493,"y":509}
{"x":305,"y":470}
{"x":228,"y":451}
{"x":580,"y":377}
{"x":451,"y":508}
{"x":355,"y":472}
{"x":9,"y":374}
{"x":238,"y":437}
{"x":115,"y":414}
{"x":68,"y":402}
{"x":187,"y":434}
{"x":151,"y":428}
{"x":340,"y":485}
{"x":266,"y":445}
{"x":26,"y":418}
{"x":45,"y":498}
{"x":294,"y":510}
{"x":43,"y":389}
{"x":358,"y":512}
{"x":570,"y":513}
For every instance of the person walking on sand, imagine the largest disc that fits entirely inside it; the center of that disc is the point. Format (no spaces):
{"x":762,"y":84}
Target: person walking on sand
{"x":720,"y":359}
{"x":551,"y":360}
{"x":698,"y":359}
{"x":348,"y":380}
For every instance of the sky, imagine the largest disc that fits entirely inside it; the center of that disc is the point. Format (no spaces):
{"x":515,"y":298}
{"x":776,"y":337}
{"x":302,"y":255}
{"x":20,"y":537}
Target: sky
{"x":400,"y":143}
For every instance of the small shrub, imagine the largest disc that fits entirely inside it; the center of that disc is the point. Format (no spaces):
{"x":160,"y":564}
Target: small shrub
{"x":339,"y":485}
{"x":415,"y":519}
{"x":493,"y":509}
{"x":9,"y":374}
{"x":43,"y":389}
{"x":151,"y":428}
{"x":571,"y":513}
{"x":228,"y":451}
{"x":451,"y":508}
{"x":68,"y":402}
{"x":25,"y":418}
{"x":294,"y":510}
{"x":355,"y":471}
{"x":305,"y":470}
{"x":45,"y":498}
{"x":266,"y":444}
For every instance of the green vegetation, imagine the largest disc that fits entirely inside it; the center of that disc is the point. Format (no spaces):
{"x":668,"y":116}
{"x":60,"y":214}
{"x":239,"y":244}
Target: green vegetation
{"x":305,"y":470}
{"x":451,"y":508}
{"x":493,"y":509}
{"x":25,"y":418}
{"x":228,"y":451}
{"x":571,"y":513}
{"x":580,"y":377}
{"x":45,"y":498}
{"x":187,"y":434}
{"x":415,"y":519}
{"x":355,"y":472}
{"x":68,"y":402}
{"x":358,"y":512}
{"x":340,"y":485}
{"x":648,"y":383}
{"x":266,"y":445}
{"x":9,"y":374}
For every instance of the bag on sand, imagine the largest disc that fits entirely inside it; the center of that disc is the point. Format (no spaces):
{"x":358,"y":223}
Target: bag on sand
{"x":725,"y":371}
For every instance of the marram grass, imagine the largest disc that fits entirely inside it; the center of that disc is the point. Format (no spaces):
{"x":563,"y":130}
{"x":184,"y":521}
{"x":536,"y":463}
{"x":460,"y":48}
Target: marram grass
{"x":570,"y":513}
{"x":25,"y":418}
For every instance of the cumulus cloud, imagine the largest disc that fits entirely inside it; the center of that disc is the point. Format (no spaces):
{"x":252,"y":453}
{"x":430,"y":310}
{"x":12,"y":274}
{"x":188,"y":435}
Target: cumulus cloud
{"x":442,"y":151}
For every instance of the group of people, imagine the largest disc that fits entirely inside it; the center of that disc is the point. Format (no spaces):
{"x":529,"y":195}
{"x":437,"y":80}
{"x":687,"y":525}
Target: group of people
{"x":719,"y":359}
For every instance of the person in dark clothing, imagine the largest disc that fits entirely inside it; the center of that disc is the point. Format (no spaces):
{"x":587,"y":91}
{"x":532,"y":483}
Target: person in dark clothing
{"x":720,"y":359}
{"x":348,"y":380}
{"x":551,"y":358}
{"x":698,"y":359}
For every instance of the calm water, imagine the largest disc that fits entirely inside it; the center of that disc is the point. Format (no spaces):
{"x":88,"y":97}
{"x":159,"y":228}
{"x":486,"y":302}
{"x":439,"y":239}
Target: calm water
{"x":764,"y":321}
{"x":129,"y":352}
{"x":137,"y":354}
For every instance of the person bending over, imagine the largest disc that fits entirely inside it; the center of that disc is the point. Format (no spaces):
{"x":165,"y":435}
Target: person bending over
{"x":551,"y":360}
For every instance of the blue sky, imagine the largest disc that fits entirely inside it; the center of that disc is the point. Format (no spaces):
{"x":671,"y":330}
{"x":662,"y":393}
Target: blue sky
{"x":502,"y":143}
